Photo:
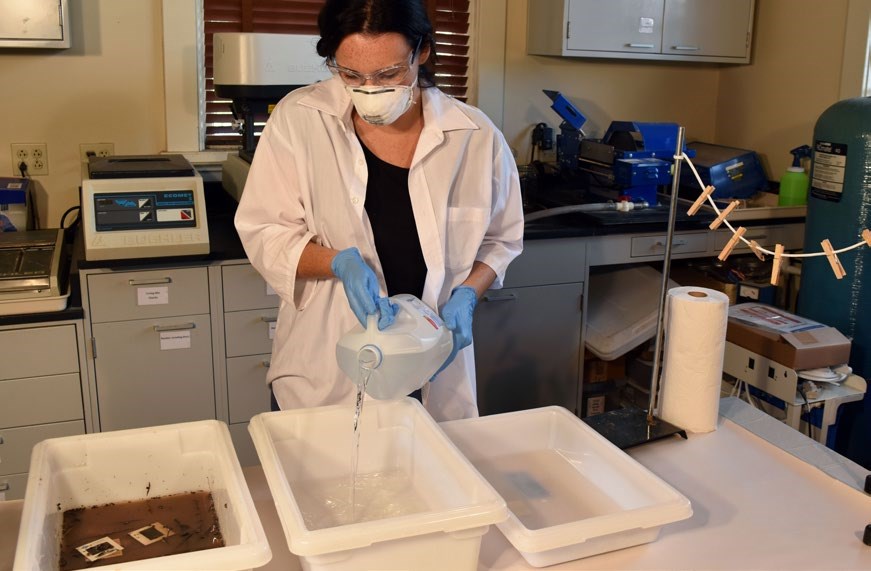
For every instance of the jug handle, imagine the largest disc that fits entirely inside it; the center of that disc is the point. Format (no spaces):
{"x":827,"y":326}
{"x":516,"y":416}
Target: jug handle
{"x":372,"y":323}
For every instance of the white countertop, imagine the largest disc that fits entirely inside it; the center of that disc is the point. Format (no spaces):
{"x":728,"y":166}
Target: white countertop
{"x":755,"y":506}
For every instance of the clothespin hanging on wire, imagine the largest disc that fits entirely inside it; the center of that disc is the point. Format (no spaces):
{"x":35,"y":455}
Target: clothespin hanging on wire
{"x":754,"y":246}
{"x":775,"y":270}
{"x":866,"y":235}
{"x":726,"y":211}
{"x":700,"y":200}
{"x":730,"y":245}
{"x":833,"y":259}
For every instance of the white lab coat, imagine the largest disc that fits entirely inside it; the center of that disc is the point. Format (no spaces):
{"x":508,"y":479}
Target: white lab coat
{"x":308,"y":182}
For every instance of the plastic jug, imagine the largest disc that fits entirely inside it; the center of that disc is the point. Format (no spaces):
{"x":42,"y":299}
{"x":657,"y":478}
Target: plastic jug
{"x":402,"y":357}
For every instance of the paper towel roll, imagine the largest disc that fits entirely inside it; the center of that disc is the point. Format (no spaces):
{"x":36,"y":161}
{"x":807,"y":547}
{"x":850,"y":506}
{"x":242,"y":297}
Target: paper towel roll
{"x":692,"y":362}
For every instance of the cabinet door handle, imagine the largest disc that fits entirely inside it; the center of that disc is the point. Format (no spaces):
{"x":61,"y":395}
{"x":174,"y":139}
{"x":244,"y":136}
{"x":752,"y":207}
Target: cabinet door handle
{"x":176,"y":327}
{"x":1,"y":440}
{"x":686,"y":48}
{"x":641,"y":46}
{"x":266,"y":363}
{"x":149,"y":282}
{"x":674,"y":243}
{"x":267,"y":319}
{"x":499,"y":297}
{"x":4,"y":487}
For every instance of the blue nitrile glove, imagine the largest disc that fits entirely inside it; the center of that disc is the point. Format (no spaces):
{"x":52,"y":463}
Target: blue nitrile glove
{"x":457,"y":315}
{"x":361,"y":287}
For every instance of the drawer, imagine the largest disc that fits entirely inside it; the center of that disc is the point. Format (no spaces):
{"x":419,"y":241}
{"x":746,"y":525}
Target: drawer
{"x":245,"y":289}
{"x":12,"y":487}
{"x":18,"y":442}
{"x":38,"y":400}
{"x":121,"y":296}
{"x":247,"y":332}
{"x":38,"y":351}
{"x":247,"y":390}
{"x":790,"y":235}
{"x":644,"y":246}
{"x":544,"y":262}
{"x":243,"y":444}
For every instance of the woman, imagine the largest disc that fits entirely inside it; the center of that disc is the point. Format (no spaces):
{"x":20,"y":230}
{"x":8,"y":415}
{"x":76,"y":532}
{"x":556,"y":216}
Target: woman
{"x":375,"y":183}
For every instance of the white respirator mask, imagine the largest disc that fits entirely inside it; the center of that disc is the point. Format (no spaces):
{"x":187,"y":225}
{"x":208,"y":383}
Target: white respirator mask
{"x":382,"y":105}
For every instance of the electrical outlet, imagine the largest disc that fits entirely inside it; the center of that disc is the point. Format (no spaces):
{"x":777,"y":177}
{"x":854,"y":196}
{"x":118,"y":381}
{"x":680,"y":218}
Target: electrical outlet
{"x":34,"y":155}
{"x":99,"y":150}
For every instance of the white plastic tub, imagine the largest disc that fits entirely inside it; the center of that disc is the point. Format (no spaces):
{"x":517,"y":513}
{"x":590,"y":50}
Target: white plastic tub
{"x":130,"y":465}
{"x":439,"y":506}
{"x":571,"y":493}
{"x":622,"y":309}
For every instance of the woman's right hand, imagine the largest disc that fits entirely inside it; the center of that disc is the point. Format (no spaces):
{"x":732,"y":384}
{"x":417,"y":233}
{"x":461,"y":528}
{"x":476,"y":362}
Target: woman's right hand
{"x":361,"y":287}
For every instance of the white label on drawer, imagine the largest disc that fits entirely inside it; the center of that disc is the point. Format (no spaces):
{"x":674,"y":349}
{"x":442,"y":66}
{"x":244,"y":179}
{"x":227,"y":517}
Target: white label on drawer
{"x":269,"y":290}
{"x":152,"y":295}
{"x":749,"y":292}
{"x":646,"y":26}
{"x":272,"y":325}
{"x":175,"y":340}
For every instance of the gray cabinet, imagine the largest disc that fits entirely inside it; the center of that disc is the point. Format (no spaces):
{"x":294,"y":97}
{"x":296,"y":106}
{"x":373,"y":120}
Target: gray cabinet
{"x":528,"y":335}
{"x":250,"y":315}
{"x":690,"y":30}
{"x":41,"y":394}
{"x":152,"y":346}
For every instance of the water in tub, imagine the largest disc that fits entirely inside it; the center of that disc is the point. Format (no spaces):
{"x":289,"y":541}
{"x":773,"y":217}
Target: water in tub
{"x":120,"y":532}
{"x":361,"y":496}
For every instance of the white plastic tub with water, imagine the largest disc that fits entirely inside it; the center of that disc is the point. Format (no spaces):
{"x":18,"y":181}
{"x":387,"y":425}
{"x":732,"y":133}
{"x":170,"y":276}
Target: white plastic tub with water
{"x":571,"y":493}
{"x":131,"y":465}
{"x":420,"y":504}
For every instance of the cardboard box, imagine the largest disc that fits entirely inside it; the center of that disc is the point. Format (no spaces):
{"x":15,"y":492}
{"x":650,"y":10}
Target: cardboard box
{"x":810,"y":349}
{"x":598,"y":370}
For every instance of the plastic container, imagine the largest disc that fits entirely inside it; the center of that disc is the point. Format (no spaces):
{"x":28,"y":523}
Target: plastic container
{"x":402,"y":357}
{"x":571,"y":493}
{"x":793,"y":187}
{"x":129,"y":465}
{"x":794,"y":183}
{"x":622,"y":309}
{"x":444,"y":506}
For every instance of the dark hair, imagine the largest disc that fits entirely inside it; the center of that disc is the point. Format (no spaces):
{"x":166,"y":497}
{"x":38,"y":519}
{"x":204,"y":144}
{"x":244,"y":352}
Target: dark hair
{"x":339,"y":19}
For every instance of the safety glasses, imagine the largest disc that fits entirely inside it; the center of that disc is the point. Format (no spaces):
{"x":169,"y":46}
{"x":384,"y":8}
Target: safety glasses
{"x":388,"y":76}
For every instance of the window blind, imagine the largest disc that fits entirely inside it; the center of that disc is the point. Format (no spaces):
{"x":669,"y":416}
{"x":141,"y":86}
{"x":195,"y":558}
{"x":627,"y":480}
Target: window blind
{"x":450,"y":19}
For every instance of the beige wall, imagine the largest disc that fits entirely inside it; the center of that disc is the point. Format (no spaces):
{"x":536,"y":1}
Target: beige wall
{"x":771,"y":106}
{"x":108,"y":87}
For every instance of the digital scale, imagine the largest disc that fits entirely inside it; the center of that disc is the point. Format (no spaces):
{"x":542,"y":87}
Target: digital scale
{"x":148,"y":206}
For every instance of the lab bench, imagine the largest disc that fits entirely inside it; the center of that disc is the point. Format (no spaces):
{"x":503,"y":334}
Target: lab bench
{"x":188,"y":338}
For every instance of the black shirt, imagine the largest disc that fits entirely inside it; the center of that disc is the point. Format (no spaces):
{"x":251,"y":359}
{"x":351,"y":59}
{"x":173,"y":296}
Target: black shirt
{"x":388,"y":206}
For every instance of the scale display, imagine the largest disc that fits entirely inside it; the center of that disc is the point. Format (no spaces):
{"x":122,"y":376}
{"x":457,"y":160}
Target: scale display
{"x":114,"y":211}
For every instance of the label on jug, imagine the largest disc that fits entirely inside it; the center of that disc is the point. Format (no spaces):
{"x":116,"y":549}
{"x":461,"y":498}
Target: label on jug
{"x":431,"y":316}
{"x":829,"y":170}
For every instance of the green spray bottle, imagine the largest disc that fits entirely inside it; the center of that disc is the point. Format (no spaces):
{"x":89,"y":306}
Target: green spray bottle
{"x":794,"y":183}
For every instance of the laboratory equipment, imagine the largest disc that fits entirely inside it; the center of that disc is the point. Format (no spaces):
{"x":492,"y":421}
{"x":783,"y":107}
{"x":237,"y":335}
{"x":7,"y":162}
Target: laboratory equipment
{"x":838,"y":211}
{"x":734,"y":173}
{"x":402,"y":357}
{"x":571,"y":493}
{"x":254,"y":71}
{"x":427,"y":498}
{"x":131,"y":465}
{"x":34,"y":272}
{"x":143,"y":206}
{"x":15,"y":205}
{"x":569,"y":139}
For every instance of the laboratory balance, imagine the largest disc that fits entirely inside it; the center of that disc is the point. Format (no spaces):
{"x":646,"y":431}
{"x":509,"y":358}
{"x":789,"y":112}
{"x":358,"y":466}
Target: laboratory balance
{"x":148,"y":206}
{"x":33,"y":272}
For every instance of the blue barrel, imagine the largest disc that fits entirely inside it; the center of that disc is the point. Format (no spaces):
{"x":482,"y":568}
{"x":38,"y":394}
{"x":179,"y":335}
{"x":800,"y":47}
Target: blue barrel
{"x":839,"y":208}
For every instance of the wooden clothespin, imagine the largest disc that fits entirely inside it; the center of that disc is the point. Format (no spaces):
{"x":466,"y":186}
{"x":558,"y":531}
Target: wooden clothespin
{"x":755,"y":248}
{"x":778,"y":258}
{"x":700,"y":200}
{"x":726,"y":211}
{"x":866,"y":235}
{"x":730,"y":245}
{"x":833,"y":259}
